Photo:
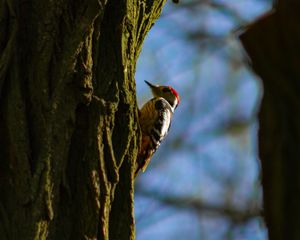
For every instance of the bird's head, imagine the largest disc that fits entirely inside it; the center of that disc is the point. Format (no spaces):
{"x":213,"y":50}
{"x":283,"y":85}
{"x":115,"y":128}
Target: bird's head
{"x":165,"y":92}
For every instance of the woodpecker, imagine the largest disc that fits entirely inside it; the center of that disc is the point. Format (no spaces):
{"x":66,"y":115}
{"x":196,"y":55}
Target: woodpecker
{"x":155,"y":120}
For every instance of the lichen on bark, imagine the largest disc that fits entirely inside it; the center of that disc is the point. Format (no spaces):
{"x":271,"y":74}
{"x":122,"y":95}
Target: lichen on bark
{"x":68,"y":116}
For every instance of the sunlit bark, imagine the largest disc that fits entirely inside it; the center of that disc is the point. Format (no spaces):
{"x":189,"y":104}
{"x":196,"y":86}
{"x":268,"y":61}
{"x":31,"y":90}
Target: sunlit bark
{"x":69,"y":132}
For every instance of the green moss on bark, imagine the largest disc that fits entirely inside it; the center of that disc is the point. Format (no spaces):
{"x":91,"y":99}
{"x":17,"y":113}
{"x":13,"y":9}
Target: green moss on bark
{"x":68,"y":117}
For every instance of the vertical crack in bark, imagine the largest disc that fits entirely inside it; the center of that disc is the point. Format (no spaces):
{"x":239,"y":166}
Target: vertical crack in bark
{"x":70,"y":112}
{"x":7,"y":17}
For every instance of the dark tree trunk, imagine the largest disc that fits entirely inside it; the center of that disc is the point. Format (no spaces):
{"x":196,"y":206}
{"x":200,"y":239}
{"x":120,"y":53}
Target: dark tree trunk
{"x":69,"y":131}
{"x":273,"y":44}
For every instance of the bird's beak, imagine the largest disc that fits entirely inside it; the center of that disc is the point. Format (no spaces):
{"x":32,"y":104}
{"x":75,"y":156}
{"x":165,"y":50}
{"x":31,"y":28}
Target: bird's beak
{"x":154,"y":89}
{"x":150,"y":85}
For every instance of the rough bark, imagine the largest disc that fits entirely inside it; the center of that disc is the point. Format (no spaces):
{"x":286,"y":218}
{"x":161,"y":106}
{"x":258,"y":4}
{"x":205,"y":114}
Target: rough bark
{"x":273,"y":44}
{"x":69,"y":132}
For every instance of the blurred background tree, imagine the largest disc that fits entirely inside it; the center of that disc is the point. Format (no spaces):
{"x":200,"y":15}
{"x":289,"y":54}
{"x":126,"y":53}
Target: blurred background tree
{"x":204,"y":181}
{"x":272,"y":43}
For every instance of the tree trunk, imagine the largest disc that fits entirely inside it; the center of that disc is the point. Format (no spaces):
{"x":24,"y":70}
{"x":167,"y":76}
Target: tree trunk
{"x":69,"y":133}
{"x":273,"y":44}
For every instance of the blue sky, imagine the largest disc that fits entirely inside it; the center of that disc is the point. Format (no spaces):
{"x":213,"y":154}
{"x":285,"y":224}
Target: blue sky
{"x":210,"y":152}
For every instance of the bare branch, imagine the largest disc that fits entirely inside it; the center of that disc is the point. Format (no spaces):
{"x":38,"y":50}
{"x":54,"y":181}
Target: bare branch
{"x":200,"y":206}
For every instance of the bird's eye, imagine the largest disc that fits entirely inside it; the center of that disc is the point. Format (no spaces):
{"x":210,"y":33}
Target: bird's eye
{"x":166,"y":90}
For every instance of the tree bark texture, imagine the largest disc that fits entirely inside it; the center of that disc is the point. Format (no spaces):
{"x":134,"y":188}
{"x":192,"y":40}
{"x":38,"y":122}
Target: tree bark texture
{"x":69,"y":132}
{"x":273,"y":44}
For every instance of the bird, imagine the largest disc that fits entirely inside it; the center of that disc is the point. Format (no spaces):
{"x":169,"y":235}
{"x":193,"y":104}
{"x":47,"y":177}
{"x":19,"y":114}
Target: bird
{"x":155,"y":118}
